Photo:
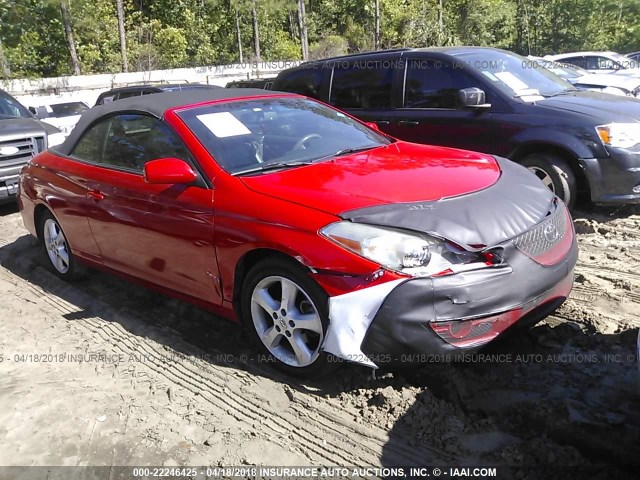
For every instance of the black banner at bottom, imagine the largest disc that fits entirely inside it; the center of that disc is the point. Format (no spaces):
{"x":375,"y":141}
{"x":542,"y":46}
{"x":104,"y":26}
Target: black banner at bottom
{"x":255,"y":472}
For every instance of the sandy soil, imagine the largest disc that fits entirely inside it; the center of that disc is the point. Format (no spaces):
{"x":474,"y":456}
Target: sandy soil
{"x":103,"y":372}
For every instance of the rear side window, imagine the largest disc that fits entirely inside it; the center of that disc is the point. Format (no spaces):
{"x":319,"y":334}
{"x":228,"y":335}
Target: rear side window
{"x":132,"y":93}
{"x":91,"y":144}
{"x":128,"y":142}
{"x":365,"y":84}
{"x":305,"y":81}
{"x":601,"y":63}
{"x":105,"y":99}
{"x":434,"y":84}
{"x":578,"y":62}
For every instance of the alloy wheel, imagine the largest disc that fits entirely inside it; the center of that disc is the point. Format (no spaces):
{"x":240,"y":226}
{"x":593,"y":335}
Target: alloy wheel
{"x":56,"y":246}
{"x":287,"y":321}
{"x":544,"y":177}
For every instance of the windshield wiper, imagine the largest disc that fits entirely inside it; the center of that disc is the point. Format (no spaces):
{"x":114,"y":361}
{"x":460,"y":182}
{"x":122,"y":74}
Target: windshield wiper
{"x":298,"y":163}
{"x":275,"y":166}
{"x":346,"y":151}
{"x":546,"y":95}
{"x":563,"y":92}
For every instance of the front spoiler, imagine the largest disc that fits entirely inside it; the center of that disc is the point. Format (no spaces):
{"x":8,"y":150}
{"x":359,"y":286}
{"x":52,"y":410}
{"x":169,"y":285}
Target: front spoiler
{"x":395,"y":319}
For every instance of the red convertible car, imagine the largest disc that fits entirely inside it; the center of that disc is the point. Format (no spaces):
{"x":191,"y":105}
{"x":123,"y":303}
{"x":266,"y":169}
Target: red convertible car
{"x":323,"y":236}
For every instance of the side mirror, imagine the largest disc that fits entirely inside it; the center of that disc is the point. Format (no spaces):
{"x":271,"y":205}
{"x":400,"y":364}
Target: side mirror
{"x":472,"y":97}
{"x":372,"y":126}
{"x":168,"y":171}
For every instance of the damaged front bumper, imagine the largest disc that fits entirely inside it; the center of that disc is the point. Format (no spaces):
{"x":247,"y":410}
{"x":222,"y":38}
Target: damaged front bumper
{"x":448,"y":314}
{"x":465,"y":311}
{"x":518,"y":219}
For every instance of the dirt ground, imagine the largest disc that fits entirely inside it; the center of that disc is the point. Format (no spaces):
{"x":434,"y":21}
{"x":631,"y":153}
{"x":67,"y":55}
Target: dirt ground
{"x":104,"y":372}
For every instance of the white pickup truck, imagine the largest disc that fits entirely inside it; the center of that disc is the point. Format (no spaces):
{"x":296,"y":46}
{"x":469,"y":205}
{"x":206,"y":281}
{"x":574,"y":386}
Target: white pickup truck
{"x":21,"y":138}
{"x":61,"y":115}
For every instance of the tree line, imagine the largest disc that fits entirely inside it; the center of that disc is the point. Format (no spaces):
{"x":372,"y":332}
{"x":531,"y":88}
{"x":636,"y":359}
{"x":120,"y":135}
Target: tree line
{"x":42,"y":38}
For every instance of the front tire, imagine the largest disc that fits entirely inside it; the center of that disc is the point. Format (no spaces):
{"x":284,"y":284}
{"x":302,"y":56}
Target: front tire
{"x":555,"y":173}
{"x":286,"y":313}
{"x":60,"y":259}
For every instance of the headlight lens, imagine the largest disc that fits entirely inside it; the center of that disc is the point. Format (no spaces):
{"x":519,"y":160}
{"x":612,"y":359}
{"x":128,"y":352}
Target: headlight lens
{"x":621,"y":135}
{"x":390,"y":248}
{"x":406,"y":252}
{"x":55,"y":139}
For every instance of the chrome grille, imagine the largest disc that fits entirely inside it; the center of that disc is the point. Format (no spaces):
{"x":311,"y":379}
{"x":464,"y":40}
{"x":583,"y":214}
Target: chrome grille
{"x":27,"y":149}
{"x":544,"y":236}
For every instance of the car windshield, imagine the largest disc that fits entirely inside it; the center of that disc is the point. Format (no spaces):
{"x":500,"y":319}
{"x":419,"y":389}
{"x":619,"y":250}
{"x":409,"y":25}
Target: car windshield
{"x":254,"y":136}
{"x":11,"y":108}
{"x":68,"y":109}
{"x":514,"y":74}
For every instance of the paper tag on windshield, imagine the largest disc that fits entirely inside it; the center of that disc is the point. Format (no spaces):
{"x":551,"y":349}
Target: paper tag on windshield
{"x":223,"y":124}
{"x":512,"y":81}
{"x":531,"y":98}
{"x":490,"y":75}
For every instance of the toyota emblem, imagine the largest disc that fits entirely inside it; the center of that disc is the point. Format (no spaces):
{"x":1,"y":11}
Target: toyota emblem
{"x":551,"y":233}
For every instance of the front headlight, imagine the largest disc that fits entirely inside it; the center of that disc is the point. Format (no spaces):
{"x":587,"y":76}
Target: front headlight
{"x":621,"y":135}
{"x":405,"y":252}
{"x":55,"y":139}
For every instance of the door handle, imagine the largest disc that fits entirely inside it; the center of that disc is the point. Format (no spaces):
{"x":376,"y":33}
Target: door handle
{"x":95,"y":195}
{"x":408,"y":123}
{"x":382,"y":122}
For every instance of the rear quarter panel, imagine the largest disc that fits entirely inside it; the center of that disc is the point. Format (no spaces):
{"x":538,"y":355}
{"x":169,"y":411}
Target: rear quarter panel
{"x":60,"y":185}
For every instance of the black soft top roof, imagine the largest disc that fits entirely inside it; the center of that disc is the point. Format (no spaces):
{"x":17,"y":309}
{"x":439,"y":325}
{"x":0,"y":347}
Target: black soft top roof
{"x":155,"y":104}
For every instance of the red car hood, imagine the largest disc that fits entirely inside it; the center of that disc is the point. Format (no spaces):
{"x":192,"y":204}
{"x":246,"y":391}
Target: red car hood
{"x":396,"y":173}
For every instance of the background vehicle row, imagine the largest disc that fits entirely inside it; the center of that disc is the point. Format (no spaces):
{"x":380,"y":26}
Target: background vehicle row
{"x":491,"y":101}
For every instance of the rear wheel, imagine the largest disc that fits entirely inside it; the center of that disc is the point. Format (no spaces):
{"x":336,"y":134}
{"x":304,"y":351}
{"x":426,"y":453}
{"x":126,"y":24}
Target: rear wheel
{"x":286,"y":314}
{"x":555,"y":173}
{"x":56,"y":248}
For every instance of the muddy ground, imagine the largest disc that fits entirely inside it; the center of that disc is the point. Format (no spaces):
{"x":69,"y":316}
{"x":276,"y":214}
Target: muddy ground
{"x":103,"y":372}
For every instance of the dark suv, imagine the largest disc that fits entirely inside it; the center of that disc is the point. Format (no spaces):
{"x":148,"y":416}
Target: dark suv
{"x":138,"y":90}
{"x":21,"y":137}
{"x":490,"y":101}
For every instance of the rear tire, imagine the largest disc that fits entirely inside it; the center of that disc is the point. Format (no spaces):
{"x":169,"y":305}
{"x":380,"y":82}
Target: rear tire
{"x":59,"y":257}
{"x":555,"y":173}
{"x":286,"y":314}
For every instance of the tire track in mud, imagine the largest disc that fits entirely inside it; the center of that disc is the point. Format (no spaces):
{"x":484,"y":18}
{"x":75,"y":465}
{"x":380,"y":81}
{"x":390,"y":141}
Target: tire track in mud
{"x":582,"y":293}
{"x":330,"y":438}
{"x":195,"y":383}
{"x":601,"y":271}
{"x":588,"y":293}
